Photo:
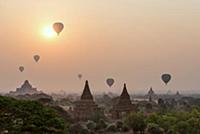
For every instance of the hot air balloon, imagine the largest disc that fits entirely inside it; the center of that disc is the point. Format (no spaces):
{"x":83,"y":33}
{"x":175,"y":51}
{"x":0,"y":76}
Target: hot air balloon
{"x":58,"y":27}
{"x":110,"y":82}
{"x":166,"y":78}
{"x":36,"y":58}
{"x":80,"y":76}
{"x":21,"y":68}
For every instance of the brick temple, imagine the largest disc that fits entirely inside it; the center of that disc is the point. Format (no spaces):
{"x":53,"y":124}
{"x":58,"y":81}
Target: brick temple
{"x":123,"y":105}
{"x":86,"y":106}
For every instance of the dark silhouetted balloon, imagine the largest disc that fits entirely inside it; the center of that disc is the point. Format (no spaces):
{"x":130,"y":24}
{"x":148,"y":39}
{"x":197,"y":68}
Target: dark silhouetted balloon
{"x":80,"y":76}
{"x":110,"y":82}
{"x":58,"y":27}
{"x":166,"y":78}
{"x":21,"y":68}
{"x":36,"y":58}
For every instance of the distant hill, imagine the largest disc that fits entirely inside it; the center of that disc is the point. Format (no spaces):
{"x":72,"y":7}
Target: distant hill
{"x":29,"y":117}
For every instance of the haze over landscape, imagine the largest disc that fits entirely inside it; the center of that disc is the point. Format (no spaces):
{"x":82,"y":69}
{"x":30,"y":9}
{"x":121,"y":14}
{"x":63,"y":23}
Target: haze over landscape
{"x":132,"y":41}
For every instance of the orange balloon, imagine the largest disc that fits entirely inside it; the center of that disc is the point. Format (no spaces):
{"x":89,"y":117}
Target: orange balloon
{"x":58,"y":27}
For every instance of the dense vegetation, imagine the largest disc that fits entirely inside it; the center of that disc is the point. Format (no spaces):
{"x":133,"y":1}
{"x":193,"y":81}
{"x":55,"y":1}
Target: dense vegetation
{"x":171,"y":122}
{"x":22,"y":116}
{"x":31,"y":117}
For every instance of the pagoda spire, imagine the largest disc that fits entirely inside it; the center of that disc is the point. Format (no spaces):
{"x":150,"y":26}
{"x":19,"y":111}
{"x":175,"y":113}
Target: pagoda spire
{"x":177,"y":93}
{"x":125,"y":94}
{"x":26,"y":84}
{"x":151,"y":92}
{"x":86,"y":95}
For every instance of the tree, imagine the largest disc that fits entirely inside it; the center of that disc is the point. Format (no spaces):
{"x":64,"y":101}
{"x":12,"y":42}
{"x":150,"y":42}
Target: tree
{"x":167,"y":121}
{"x":76,"y":128}
{"x":97,"y":116}
{"x":154,"y":129}
{"x":183,"y":127}
{"x":23,"y":116}
{"x":91,"y":125}
{"x":119,"y":125}
{"x":125,"y":128}
{"x":195,"y":123}
{"x":101,"y":124}
{"x":153,"y":118}
{"x":111,"y":128}
{"x":136,"y":121}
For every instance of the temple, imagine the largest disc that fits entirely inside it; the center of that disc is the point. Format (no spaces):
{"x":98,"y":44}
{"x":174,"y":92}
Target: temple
{"x":86,"y":106}
{"x":123,"y":106}
{"x":148,"y":105}
{"x":151,"y":95}
{"x":26,"y":88}
{"x":178,"y":95}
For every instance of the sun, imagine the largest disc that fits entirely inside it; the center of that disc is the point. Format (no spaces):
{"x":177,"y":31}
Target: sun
{"x":48,"y":32}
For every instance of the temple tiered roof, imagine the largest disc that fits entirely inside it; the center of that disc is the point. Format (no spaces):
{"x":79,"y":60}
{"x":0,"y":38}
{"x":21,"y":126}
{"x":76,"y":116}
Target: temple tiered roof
{"x":124,"y":97}
{"x":26,"y":84}
{"x":86,"y":95}
{"x":26,"y":88}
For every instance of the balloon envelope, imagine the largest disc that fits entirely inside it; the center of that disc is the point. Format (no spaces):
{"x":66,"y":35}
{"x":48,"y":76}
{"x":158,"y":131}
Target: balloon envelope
{"x":58,"y":27}
{"x":21,"y":68}
{"x":110,"y":81}
{"x":166,"y":78}
{"x":36,"y":58}
{"x":79,"y":76}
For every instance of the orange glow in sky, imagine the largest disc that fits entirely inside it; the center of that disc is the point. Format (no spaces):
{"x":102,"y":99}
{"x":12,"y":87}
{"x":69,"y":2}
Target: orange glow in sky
{"x":48,"y":32}
{"x":133,"y":41}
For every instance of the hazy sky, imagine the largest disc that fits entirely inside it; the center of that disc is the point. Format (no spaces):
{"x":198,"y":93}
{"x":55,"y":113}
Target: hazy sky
{"x":133,"y":41}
